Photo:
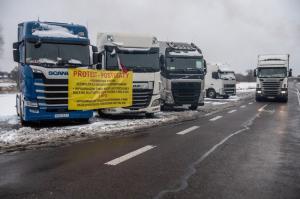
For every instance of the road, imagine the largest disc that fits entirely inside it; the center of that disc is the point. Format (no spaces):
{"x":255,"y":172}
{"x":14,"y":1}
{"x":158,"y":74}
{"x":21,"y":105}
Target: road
{"x":248,"y":151}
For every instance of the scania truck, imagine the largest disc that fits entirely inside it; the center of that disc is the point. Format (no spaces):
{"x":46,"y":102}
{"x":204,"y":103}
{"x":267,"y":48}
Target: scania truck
{"x":272,"y":74}
{"x":220,"y":81}
{"x":140,"y":54}
{"x":44,"y":52}
{"x":182,"y":74}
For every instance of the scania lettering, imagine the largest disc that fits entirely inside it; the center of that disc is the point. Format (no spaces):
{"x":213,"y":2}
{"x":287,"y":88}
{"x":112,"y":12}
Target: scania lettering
{"x":140,"y":54}
{"x":272,"y":74}
{"x":220,"y":81}
{"x":182,"y":74}
{"x":44,"y":52}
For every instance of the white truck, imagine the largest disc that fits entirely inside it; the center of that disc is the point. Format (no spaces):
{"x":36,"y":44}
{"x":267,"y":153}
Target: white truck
{"x":220,"y":81}
{"x":272,"y":74}
{"x":140,"y":54}
{"x":182,"y":74}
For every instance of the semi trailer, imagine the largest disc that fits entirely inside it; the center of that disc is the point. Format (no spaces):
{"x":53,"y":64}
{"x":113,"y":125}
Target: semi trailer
{"x":220,"y":81}
{"x":44,"y":52}
{"x":182,"y":75}
{"x":139,"y":54}
{"x":272,"y":74}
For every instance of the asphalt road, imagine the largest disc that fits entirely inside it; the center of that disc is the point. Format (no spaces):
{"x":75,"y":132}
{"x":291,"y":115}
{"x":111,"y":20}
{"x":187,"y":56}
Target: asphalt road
{"x":248,"y":151}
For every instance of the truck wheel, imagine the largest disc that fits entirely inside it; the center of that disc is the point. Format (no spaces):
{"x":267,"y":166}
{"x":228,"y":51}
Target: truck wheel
{"x":23,"y":122}
{"x":258,"y":99}
{"x":193,"y":107}
{"x":149,"y":115}
{"x":211,"y":93}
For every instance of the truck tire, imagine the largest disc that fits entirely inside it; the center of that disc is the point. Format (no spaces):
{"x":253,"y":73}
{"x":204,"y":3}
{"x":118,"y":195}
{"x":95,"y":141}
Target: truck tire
{"x":23,"y":122}
{"x":193,"y":107}
{"x":258,"y":99}
{"x":211,"y":93}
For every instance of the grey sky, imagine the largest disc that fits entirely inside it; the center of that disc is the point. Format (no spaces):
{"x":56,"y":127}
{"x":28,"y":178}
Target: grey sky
{"x":230,"y":31}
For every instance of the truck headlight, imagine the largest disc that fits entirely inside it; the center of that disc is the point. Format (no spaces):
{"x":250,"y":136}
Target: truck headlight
{"x":259,"y":91}
{"x":283,"y":92}
{"x":31,"y":104}
{"x":155,"y":103}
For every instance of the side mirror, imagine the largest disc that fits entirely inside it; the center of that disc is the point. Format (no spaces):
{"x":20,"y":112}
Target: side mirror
{"x":215,"y":75}
{"x":97,"y":58}
{"x":162,"y":61}
{"x":16,"y":54}
{"x":94,"y":49}
{"x":205,"y":67}
{"x":16,"y":45}
{"x":254,"y":73}
{"x":290,"y":72}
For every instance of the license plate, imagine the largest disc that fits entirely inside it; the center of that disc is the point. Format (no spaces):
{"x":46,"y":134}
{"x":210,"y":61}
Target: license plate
{"x":61,"y":115}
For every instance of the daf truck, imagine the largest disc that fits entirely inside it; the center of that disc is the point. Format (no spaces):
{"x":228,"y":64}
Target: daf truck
{"x":272,"y":74}
{"x":44,"y":52}
{"x":182,"y":75}
{"x":220,"y":81}
{"x":139,"y":54}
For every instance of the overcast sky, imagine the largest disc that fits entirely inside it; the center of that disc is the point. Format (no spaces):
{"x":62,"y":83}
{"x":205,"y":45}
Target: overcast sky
{"x":229,"y":31}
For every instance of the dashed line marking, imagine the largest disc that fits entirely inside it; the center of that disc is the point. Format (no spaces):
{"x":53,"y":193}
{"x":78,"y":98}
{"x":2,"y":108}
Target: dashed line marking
{"x":298,"y":94}
{"x":187,"y":130}
{"x":262,"y":108}
{"x":216,"y":118}
{"x":243,"y":106}
{"x":130,"y":155}
{"x":232,"y":111}
{"x":250,"y":103}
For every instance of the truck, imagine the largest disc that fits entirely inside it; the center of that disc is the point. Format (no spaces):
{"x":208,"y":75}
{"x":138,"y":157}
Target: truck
{"x":44,"y":52}
{"x":220,"y":81}
{"x":137,"y":53}
{"x":182,"y":75}
{"x":272,"y":74}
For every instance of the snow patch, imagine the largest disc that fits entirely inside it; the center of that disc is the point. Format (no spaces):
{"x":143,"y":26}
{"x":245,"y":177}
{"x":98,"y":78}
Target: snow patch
{"x":7,"y":107}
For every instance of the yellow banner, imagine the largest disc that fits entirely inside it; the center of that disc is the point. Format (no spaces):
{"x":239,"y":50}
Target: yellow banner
{"x":93,"y":89}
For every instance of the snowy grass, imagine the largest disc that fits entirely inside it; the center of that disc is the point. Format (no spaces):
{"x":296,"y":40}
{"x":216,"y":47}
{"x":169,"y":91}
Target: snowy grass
{"x":7,"y":108}
{"x":245,"y":86}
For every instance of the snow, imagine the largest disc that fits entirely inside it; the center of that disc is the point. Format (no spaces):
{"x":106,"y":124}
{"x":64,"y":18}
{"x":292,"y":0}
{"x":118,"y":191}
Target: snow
{"x":7,"y":107}
{"x":54,"y":31}
{"x":7,"y":84}
{"x":246,"y":86}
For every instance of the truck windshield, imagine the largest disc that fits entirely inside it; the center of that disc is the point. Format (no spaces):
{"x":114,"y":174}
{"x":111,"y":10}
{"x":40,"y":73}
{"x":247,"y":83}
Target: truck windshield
{"x":184,"y":64}
{"x":227,"y":75}
{"x":49,"y":54}
{"x":135,"y":61}
{"x":272,"y":72}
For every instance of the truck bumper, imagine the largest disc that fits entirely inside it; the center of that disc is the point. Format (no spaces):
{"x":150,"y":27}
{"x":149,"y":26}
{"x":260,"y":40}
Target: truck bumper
{"x":149,"y":109}
{"x":36,"y":114}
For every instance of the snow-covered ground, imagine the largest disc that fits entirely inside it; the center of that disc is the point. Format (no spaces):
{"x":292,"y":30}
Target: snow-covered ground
{"x":7,"y":108}
{"x":14,"y":136}
{"x":246,"y":86}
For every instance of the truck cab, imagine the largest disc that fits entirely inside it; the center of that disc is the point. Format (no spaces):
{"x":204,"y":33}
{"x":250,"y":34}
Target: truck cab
{"x":182,"y":74}
{"x":44,"y":52}
{"x":272,"y":74}
{"x":220,"y":81}
{"x":139,"y":54}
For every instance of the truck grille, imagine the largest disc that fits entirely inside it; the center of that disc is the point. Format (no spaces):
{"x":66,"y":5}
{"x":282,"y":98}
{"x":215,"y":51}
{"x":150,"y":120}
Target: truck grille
{"x":229,"y":89}
{"x":141,"y":98}
{"x":186,"y":92}
{"x":52,"y":94}
{"x":271,"y":88}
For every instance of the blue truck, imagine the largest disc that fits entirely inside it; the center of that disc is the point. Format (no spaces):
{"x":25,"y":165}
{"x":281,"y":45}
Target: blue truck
{"x":44,"y":52}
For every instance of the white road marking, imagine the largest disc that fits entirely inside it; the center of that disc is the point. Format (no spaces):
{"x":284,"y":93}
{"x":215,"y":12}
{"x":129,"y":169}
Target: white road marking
{"x":216,"y":118}
{"x":250,"y":103}
{"x":262,"y":108}
{"x":232,"y":111}
{"x":298,"y":94}
{"x":130,"y":155}
{"x":243,"y":106}
{"x":187,"y":130}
